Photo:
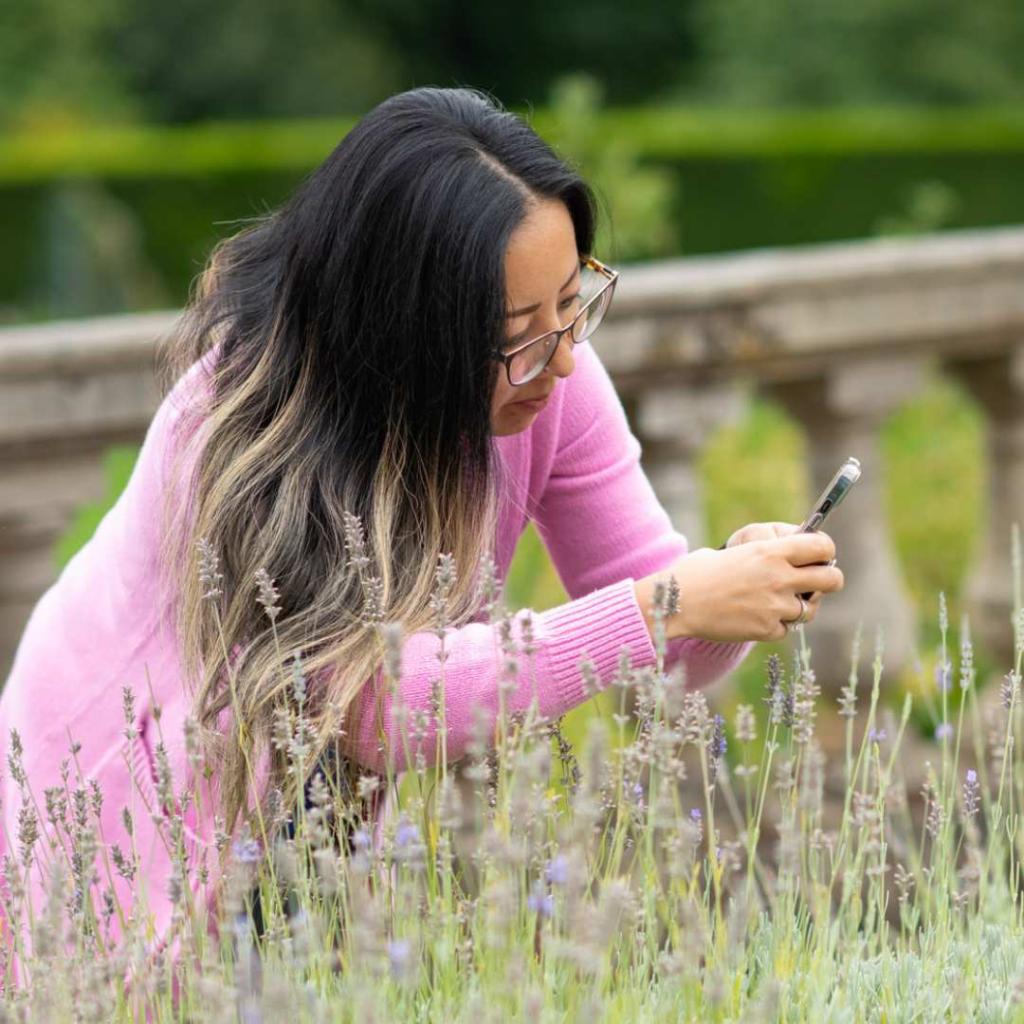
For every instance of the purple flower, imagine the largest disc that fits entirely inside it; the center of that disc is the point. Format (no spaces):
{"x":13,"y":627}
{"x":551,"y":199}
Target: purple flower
{"x":399,"y":956}
{"x":972,"y":793}
{"x":406,"y":834}
{"x":777,"y":698}
{"x":361,"y":839}
{"x":876,"y":735}
{"x":638,"y":790}
{"x":718,"y":740}
{"x":246,"y":850}
{"x":695,"y":813}
{"x":557,"y":870}
{"x":944,"y":675}
{"x":943,"y":731}
{"x":540,"y":902}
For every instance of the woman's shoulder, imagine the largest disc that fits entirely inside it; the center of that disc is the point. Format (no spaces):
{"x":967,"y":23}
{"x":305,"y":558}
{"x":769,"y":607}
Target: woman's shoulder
{"x":107,"y":593}
{"x":186,"y":403}
{"x":168,"y":452}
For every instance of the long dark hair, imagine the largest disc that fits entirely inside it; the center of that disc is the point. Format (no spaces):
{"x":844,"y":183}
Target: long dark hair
{"x":355,"y":327}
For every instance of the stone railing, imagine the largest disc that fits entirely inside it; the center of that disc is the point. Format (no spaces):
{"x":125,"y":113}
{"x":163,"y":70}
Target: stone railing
{"x":841,"y":335}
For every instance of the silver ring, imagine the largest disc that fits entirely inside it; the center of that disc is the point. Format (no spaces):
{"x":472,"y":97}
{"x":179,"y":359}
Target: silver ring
{"x":801,"y":618}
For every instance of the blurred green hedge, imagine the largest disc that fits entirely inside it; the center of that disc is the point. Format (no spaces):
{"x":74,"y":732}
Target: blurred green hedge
{"x":674,"y":133}
{"x":738,"y":180}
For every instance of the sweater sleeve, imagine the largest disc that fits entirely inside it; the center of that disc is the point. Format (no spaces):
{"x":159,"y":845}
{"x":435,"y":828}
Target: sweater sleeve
{"x":603,"y":623}
{"x":600,"y":518}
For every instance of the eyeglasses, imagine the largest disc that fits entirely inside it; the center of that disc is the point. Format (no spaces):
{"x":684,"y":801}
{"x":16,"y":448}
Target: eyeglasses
{"x":528,"y":360}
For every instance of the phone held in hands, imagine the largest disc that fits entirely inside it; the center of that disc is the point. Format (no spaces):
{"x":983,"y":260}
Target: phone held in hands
{"x":837,"y":489}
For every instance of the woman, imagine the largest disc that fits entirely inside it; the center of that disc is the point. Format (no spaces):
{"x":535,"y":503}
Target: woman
{"x":400,"y":349}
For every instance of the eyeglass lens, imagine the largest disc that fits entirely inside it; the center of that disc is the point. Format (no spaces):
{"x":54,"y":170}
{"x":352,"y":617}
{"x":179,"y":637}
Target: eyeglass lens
{"x":529,"y":362}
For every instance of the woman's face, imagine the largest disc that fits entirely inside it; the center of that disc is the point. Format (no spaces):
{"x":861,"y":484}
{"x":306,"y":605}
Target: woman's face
{"x":542,"y":281}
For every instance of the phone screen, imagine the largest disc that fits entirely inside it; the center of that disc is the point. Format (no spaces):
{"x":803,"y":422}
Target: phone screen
{"x":838,"y":488}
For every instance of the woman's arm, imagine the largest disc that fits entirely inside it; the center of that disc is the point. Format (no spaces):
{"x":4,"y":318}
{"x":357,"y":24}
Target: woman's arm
{"x":602,"y":624}
{"x":599,"y":516}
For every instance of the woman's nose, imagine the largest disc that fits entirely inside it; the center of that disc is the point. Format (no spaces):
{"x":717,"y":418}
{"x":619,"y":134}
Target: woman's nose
{"x":562,"y":362}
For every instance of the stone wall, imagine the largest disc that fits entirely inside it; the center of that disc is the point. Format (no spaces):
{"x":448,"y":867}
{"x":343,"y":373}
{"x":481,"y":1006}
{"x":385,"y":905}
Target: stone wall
{"x":841,"y":335}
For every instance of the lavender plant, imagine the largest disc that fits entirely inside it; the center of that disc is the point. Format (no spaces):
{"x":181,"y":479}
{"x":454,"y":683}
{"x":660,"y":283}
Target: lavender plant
{"x":632,"y":878}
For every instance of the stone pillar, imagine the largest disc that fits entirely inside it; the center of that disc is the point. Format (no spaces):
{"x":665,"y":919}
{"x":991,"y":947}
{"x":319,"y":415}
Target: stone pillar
{"x":842,"y":411}
{"x":673,"y":425}
{"x":997,"y":384}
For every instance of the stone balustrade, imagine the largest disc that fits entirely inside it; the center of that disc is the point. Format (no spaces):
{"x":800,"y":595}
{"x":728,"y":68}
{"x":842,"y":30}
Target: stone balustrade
{"x":840,"y":335}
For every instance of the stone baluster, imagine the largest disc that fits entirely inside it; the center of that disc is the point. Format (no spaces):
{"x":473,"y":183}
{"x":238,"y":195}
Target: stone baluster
{"x":842,"y":412}
{"x":673,"y":425}
{"x":997,"y":384}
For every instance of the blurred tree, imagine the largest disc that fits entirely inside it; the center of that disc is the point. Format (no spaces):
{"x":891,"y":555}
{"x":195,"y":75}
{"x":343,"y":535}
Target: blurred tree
{"x":186,"y":61}
{"x":636,"y":221}
{"x":517,"y":51}
{"x":194,"y":60}
{"x":809,"y":52}
{"x":53,"y":66}
{"x":63,"y":61}
{"x":191,"y":60}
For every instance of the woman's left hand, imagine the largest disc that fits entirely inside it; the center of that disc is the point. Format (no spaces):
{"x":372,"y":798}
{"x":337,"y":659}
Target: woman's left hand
{"x":769,"y":531}
{"x":761,"y":531}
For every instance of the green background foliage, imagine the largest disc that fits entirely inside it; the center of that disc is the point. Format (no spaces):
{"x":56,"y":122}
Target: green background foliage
{"x":119,"y":219}
{"x":63,"y":62}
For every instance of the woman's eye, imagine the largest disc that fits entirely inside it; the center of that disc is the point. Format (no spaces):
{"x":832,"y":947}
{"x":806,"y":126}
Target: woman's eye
{"x":564,"y":304}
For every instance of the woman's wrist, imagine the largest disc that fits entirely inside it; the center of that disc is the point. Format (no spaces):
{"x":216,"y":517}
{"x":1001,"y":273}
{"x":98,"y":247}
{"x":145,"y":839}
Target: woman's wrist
{"x":675,"y":627}
{"x":643,"y":589}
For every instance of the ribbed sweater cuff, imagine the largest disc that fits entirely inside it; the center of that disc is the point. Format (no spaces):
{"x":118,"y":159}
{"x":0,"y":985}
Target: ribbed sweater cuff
{"x":598,"y":626}
{"x":706,"y":660}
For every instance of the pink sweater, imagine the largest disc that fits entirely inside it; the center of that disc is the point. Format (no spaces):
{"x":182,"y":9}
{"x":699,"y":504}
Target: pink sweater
{"x":575,"y":473}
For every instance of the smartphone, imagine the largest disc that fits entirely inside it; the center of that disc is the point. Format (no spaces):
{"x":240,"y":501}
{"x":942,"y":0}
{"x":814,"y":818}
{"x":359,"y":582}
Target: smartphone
{"x":838,"y":488}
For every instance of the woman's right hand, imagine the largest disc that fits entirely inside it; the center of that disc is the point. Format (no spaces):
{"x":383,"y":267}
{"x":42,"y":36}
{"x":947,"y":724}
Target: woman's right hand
{"x":746,"y":592}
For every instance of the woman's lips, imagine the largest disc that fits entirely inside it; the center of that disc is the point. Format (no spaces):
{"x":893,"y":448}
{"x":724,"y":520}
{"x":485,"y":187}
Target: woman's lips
{"x":535,"y":404}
